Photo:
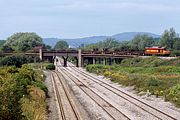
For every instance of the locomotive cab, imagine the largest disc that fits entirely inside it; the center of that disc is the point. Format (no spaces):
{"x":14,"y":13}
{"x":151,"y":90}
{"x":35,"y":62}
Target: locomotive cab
{"x":156,"y":51}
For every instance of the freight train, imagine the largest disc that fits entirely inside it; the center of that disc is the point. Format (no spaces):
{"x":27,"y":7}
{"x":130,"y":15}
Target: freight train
{"x":149,"y":51}
{"x":157,"y":51}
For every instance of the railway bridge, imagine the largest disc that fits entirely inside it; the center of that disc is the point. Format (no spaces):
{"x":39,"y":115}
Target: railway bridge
{"x":80,"y":57}
{"x":84,"y":57}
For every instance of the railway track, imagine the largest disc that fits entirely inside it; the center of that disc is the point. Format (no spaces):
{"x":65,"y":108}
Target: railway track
{"x":111,"y":109}
{"x":135,"y":101}
{"x":156,"y":112}
{"x":67,"y":109}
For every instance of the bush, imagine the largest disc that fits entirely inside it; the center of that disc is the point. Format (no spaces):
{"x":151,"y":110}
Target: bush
{"x":175,"y":53}
{"x":131,"y":61}
{"x":40,"y":85}
{"x":50,"y":66}
{"x":99,"y":69}
{"x":174,"y":94}
{"x":16,"y":85}
{"x":33,"y":106}
{"x":153,"y":82}
{"x":16,"y":60}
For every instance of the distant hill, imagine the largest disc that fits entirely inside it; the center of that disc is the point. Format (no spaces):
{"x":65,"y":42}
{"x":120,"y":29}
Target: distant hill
{"x":94,"y":39}
{"x":130,"y":35}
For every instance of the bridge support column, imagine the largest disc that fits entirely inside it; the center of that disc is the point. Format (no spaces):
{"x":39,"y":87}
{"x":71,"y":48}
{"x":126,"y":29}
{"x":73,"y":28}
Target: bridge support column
{"x":116,"y":61}
{"x":80,"y":61}
{"x":110,"y":61}
{"x":77,"y":62}
{"x":104,"y":61}
{"x":113,"y":61}
{"x":65,"y":61}
{"x":94,"y":60}
{"x":99,"y":60}
{"x":40,"y":54}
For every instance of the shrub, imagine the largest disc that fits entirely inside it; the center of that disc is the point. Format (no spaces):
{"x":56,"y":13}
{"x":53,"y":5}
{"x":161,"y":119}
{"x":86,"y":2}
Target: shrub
{"x":14,"y":88}
{"x":107,"y":73}
{"x":16,"y":60}
{"x":50,"y":66}
{"x":9,"y":106}
{"x":131,"y":61}
{"x":33,"y":106}
{"x":174,"y":94}
{"x":175,"y":53}
{"x":99,"y":69}
{"x":153,"y":82}
{"x":40,"y":85}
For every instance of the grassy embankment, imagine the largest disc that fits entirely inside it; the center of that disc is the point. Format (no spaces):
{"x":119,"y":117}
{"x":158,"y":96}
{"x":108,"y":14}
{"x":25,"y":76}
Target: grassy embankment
{"x":22,"y":94}
{"x":160,"y":77}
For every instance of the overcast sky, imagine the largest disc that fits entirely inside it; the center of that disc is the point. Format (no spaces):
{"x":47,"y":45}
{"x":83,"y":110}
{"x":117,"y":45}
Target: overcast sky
{"x":81,"y":18}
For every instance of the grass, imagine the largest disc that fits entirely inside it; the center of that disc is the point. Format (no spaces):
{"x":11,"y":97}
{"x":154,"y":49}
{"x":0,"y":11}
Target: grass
{"x":150,"y":74}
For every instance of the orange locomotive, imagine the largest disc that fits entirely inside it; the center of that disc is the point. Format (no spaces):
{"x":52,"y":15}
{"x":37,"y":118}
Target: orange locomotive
{"x":156,"y":51}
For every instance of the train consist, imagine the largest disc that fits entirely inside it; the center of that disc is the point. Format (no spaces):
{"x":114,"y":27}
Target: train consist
{"x":149,"y":51}
{"x":157,"y":51}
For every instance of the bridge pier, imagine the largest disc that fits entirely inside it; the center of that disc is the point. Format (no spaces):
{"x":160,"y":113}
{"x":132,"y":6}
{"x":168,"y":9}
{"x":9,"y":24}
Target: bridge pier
{"x":99,"y":60}
{"x":110,"y":61}
{"x":77,"y":61}
{"x":65,"y":61}
{"x":94,"y":60}
{"x":40,"y":54}
{"x":80,"y":59}
{"x":104,"y":61}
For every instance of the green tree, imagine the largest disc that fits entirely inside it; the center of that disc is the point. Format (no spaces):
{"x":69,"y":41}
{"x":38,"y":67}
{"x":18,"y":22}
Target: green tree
{"x":109,"y":43}
{"x":168,"y":38}
{"x":6,"y":48}
{"x":61,"y":45}
{"x":47,"y":47}
{"x":141,"y":41}
{"x":23,"y":41}
{"x":2,"y":43}
{"x":16,"y":60}
{"x":124,"y":46}
{"x":176,"y":45}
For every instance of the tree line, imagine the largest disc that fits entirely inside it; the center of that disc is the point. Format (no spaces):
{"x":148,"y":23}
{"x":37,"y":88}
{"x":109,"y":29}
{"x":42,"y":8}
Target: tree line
{"x":23,"y":42}
{"x":169,"y":39}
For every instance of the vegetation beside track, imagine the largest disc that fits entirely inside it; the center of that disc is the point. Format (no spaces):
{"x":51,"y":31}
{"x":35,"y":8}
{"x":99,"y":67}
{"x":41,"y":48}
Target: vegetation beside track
{"x":160,"y":77}
{"x":22,"y":93}
{"x":43,"y":66}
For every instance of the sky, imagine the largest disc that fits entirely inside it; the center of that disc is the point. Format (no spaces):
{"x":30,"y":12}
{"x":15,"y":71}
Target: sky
{"x":82,"y":18}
